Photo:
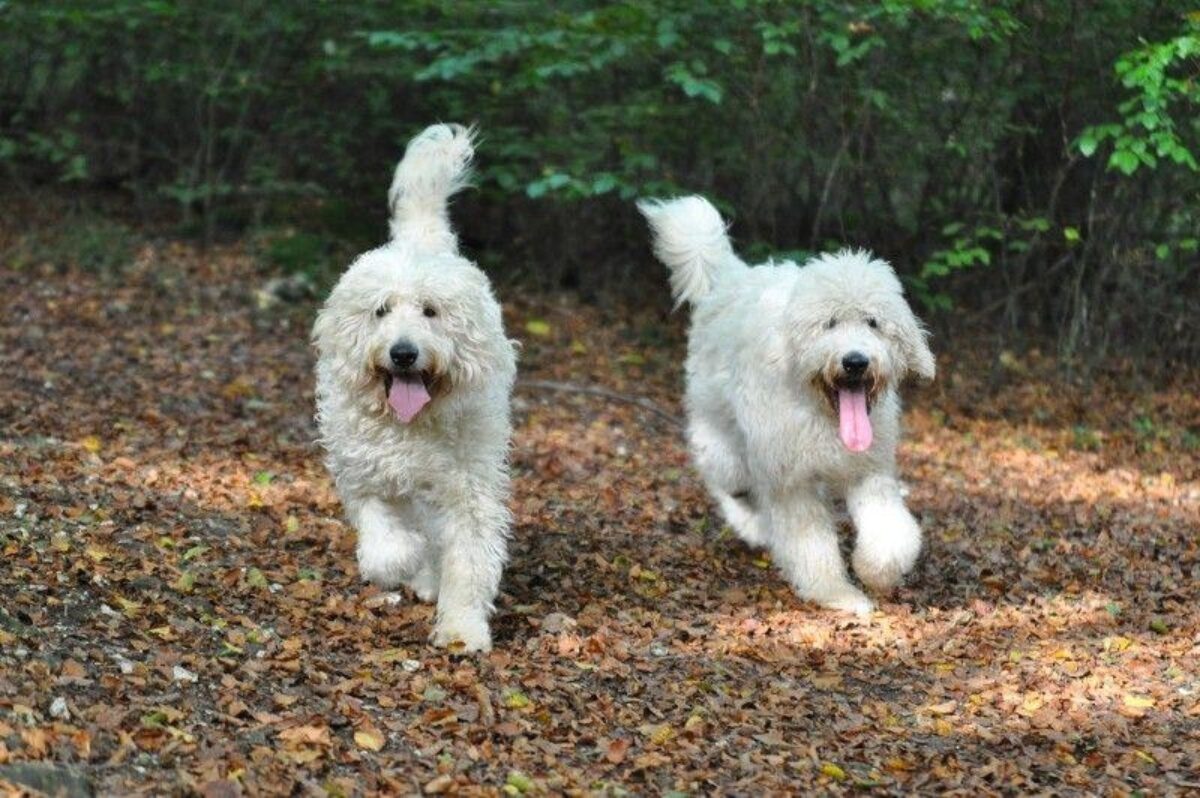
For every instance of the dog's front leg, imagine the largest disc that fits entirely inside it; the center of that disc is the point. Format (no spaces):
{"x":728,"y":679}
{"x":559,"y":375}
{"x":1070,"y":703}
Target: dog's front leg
{"x":474,"y":548}
{"x":388,"y":553}
{"x":888,"y":539}
{"x":803,"y":542}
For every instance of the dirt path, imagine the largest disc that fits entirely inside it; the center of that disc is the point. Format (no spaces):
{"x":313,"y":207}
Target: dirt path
{"x":180,"y":609}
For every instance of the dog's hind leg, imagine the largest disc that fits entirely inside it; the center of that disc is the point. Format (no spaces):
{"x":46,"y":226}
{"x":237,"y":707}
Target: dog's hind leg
{"x":388,"y":552}
{"x":888,"y":539}
{"x":803,"y":542}
{"x":721,"y":463}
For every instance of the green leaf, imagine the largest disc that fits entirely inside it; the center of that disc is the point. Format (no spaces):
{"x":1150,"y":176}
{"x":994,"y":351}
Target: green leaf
{"x":1124,"y":160}
{"x":255,"y":578}
{"x":604,"y":183}
{"x":515,"y":699}
{"x":194,"y":552}
{"x":538,"y":327}
{"x":519,"y":782}
{"x":833,"y":771}
{"x":186,"y":582}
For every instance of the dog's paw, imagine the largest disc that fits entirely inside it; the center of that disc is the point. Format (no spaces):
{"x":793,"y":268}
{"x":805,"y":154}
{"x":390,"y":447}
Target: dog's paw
{"x":879,"y":576}
{"x":387,"y":562}
{"x":849,"y":600}
{"x":465,"y":635}
{"x":462,"y":640}
{"x":881,"y":568}
{"x":425,"y":583}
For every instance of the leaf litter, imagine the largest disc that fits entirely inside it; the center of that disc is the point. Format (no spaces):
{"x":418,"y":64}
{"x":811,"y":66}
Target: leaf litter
{"x":181,"y":610}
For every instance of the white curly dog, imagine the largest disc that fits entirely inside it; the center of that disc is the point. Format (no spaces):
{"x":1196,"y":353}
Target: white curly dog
{"x":414,"y":375}
{"x":792,"y":380}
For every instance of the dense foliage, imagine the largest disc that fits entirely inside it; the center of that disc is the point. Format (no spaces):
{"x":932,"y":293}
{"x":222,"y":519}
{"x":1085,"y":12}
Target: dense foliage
{"x":1031,"y":163}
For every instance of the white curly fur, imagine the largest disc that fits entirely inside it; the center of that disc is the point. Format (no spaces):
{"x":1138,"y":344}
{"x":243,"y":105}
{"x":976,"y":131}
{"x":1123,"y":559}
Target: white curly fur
{"x":762,"y":368}
{"x":429,"y":497}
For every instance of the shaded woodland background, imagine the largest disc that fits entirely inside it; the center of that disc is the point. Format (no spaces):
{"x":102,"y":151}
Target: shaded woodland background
{"x":1030,"y":167}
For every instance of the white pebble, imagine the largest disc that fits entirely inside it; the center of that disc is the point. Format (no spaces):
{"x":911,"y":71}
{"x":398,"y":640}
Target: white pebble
{"x":58,"y":709}
{"x":182,"y":674}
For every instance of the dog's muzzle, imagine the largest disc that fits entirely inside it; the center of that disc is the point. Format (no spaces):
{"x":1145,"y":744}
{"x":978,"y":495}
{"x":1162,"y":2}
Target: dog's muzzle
{"x":851,"y":388}
{"x":407,"y":388}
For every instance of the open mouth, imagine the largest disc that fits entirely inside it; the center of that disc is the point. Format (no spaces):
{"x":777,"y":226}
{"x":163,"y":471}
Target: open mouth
{"x":851,"y":400}
{"x":408,"y":392}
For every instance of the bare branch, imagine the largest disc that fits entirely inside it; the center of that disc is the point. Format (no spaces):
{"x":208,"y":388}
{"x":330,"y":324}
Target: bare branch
{"x":606,"y":393}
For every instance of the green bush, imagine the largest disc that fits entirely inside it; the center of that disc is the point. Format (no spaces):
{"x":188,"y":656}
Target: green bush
{"x":93,"y":244}
{"x":1030,"y":166}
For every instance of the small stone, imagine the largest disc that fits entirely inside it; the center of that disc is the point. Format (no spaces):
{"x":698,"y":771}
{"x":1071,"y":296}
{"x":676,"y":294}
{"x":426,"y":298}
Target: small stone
{"x":557,"y":622}
{"x":410,"y":665}
{"x":182,"y":674}
{"x":59,"y":710}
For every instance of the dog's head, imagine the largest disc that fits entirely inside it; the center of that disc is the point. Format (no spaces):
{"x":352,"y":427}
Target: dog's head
{"x":855,"y":337}
{"x":404,"y":328}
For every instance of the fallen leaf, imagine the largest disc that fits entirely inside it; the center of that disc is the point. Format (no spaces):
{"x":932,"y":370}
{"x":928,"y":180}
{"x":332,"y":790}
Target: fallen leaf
{"x":515,"y":699}
{"x":537,"y":327}
{"x":616,"y":750}
{"x":833,"y":771}
{"x":369,"y":738}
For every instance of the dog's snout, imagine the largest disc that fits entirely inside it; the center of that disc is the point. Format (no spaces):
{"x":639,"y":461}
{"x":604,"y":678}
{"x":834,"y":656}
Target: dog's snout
{"x":403,"y":354}
{"x":855,"y":363}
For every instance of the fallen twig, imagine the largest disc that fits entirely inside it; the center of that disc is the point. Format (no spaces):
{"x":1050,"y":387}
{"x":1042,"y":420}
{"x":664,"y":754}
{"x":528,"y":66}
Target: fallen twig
{"x":596,"y":390}
{"x":487,"y":714}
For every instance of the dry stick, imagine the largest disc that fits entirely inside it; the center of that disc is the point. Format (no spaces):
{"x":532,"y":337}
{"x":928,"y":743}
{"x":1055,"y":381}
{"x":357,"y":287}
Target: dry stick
{"x":487,"y":714}
{"x":596,"y":390}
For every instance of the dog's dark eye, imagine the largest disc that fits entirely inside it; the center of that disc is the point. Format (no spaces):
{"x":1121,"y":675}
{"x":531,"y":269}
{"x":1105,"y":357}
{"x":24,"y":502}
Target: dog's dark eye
{"x":382,"y":311}
{"x":430,"y":311}
{"x":829,"y":325}
{"x":873,"y":323}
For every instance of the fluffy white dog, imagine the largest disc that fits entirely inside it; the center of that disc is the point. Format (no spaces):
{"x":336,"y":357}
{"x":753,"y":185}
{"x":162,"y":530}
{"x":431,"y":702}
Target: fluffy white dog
{"x":414,"y":375}
{"x":792,"y":378}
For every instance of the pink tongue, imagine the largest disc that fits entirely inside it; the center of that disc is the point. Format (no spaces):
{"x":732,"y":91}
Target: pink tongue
{"x":407,"y":396}
{"x":853,"y":423}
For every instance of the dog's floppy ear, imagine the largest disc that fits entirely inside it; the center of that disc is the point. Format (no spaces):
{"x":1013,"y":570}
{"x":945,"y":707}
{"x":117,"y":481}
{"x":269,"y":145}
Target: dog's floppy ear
{"x":914,"y":343}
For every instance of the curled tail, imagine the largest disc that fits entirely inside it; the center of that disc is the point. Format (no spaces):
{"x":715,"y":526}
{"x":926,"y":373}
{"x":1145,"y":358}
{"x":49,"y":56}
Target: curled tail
{"x":691,"y":239}
{"x":436,"y":164}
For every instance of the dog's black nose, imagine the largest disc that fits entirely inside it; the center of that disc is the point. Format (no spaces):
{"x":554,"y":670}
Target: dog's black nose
{"x":403,"y":354}
{"x":855,"y":363}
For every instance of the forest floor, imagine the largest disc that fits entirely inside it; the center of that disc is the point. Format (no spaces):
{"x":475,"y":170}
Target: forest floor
{"x":180,"y":610}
